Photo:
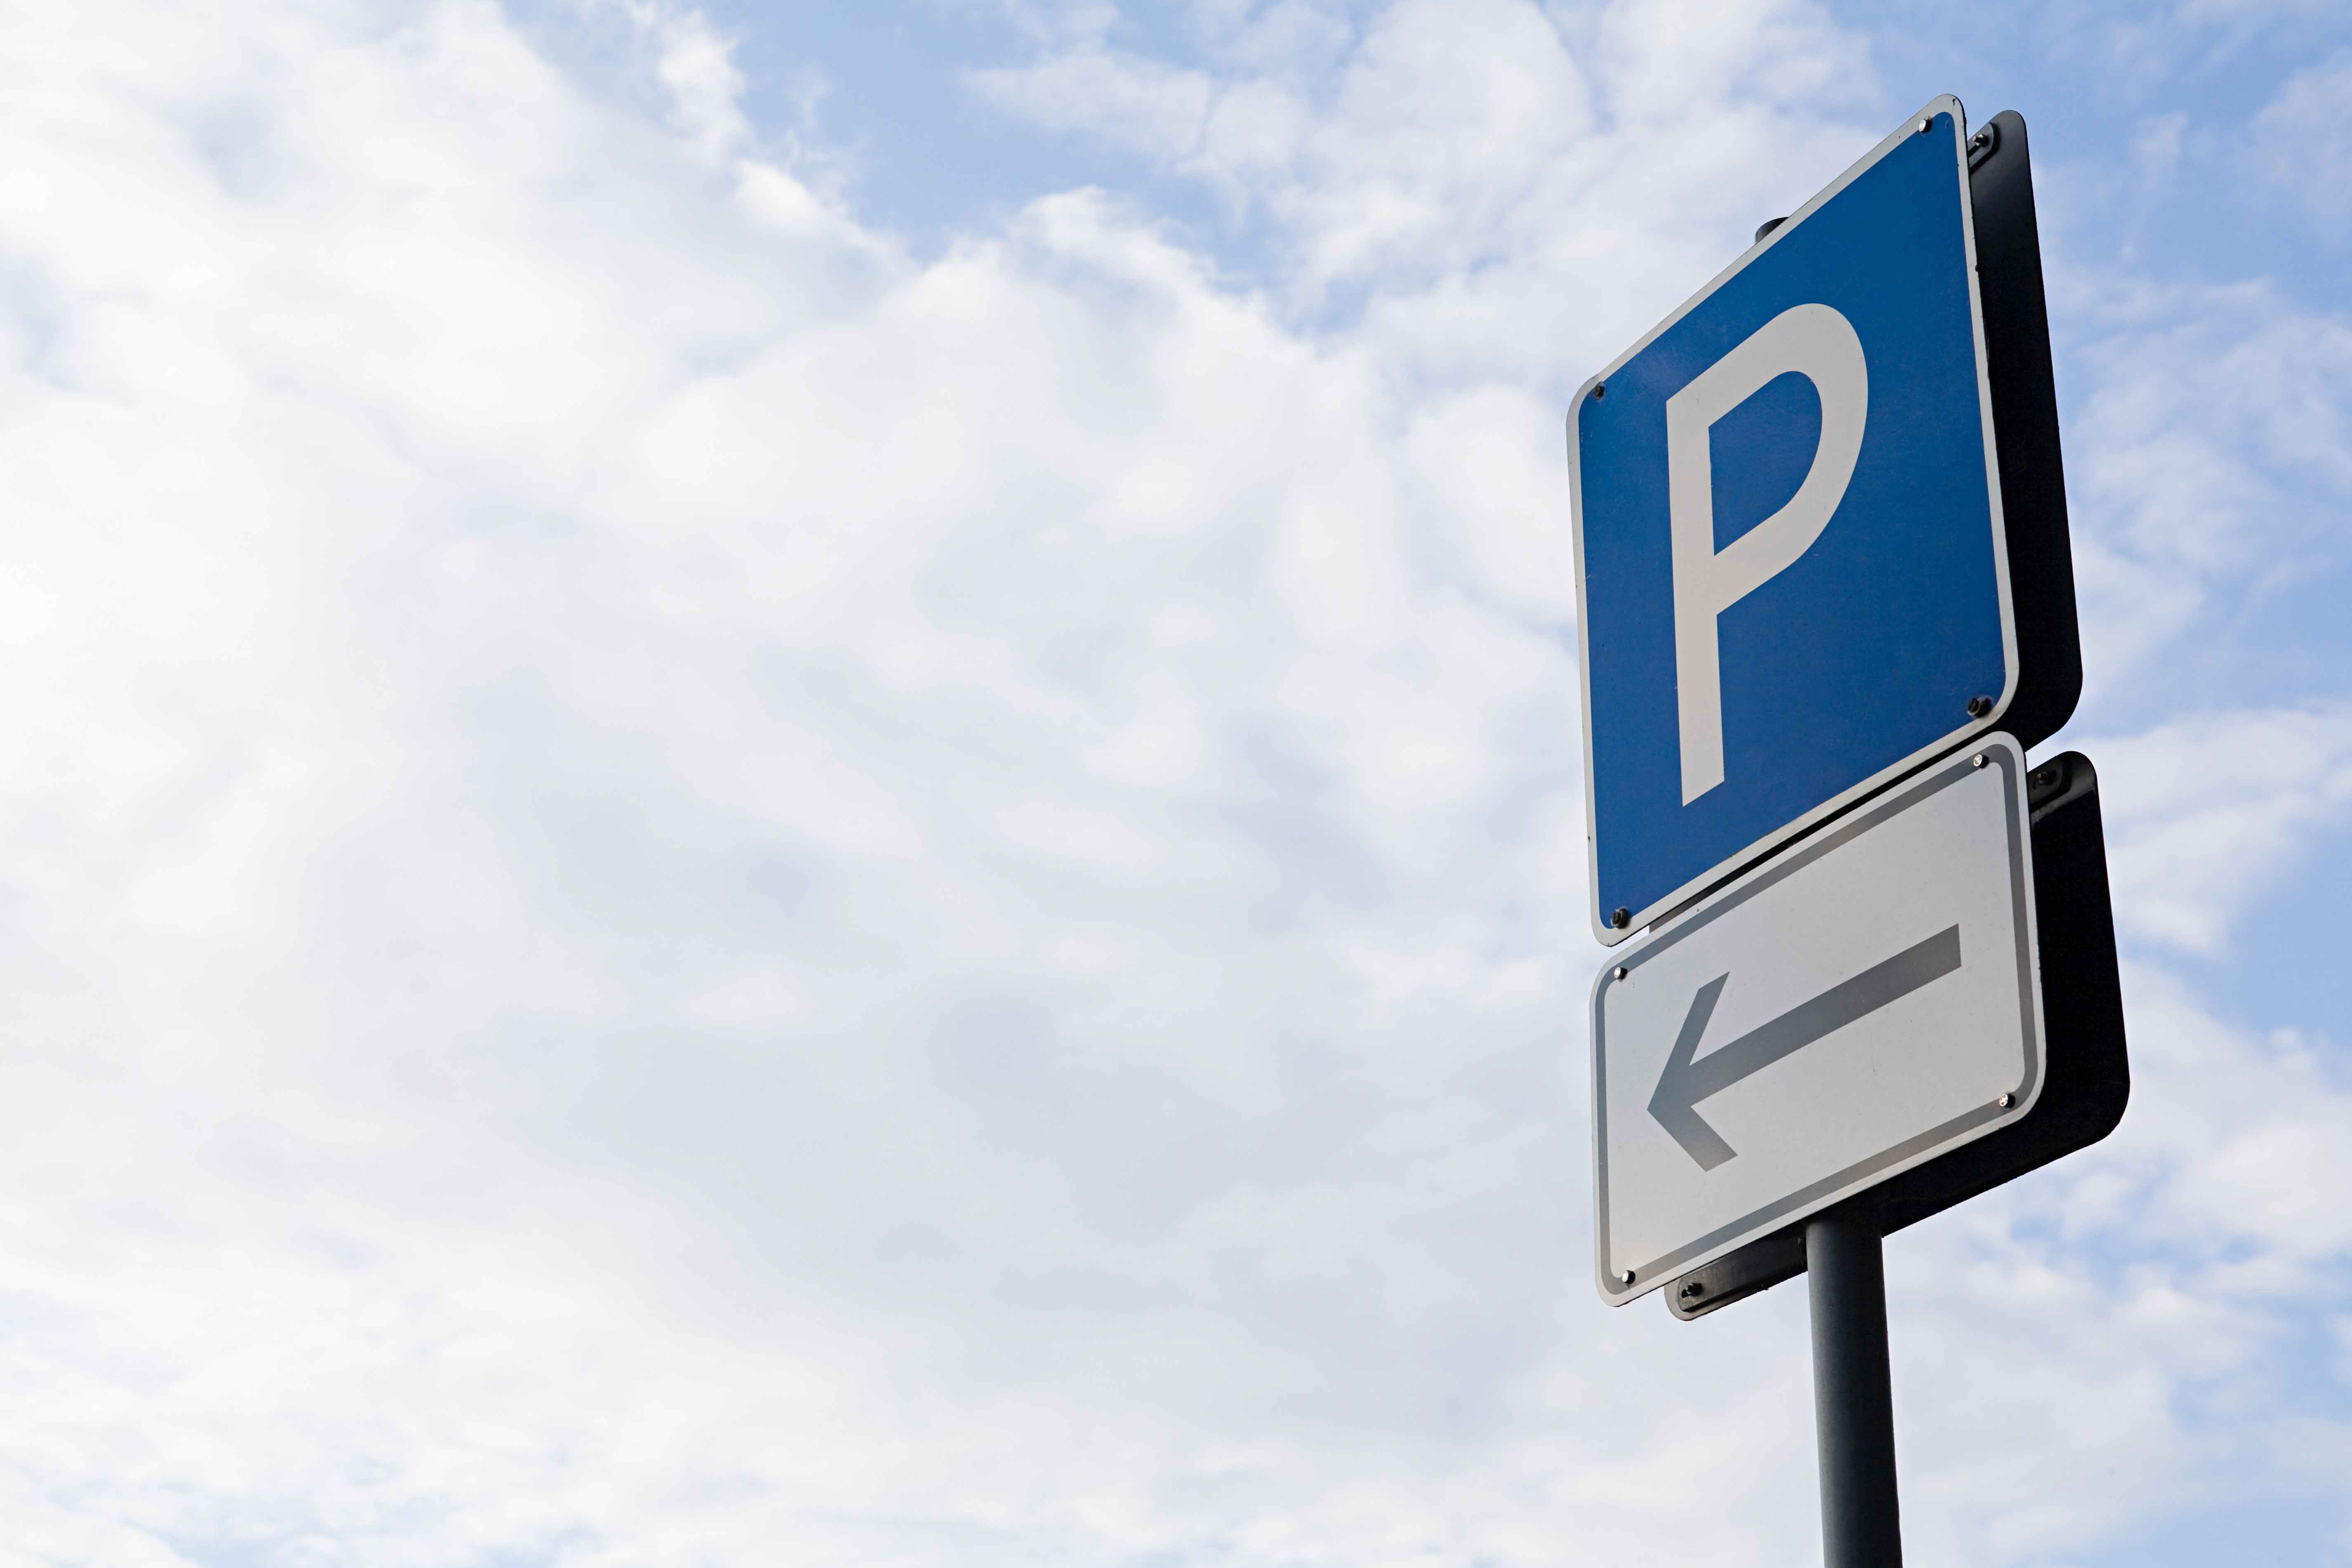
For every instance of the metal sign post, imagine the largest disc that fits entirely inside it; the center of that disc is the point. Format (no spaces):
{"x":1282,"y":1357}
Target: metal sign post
{"x":1854,"y":1401}
{"x":1825,"y":603}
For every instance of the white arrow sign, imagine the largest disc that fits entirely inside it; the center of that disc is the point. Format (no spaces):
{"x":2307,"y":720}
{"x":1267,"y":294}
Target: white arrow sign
{"x":1851,"y":1009}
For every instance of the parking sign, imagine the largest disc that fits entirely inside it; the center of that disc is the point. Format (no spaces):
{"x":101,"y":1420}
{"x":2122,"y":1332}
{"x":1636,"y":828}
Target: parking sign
{"x":1791,"y":569}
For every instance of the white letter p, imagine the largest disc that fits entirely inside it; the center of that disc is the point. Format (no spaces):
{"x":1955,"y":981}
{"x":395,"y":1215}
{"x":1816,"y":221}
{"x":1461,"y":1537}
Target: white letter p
{"x":1820,"y":344}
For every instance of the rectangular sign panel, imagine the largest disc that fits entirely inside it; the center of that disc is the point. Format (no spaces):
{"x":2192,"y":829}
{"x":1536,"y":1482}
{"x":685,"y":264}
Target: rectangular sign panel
{"x":1861,"y":1004}
{"x":1791,"y":572}
{"x":2086,"y":1066}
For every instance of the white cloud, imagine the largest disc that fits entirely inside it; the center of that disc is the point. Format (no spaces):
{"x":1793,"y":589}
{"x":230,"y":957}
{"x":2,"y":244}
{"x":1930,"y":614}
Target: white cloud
{"x":2205,"y":813}
{"x":566,"y":701}
{"x":2207,"y":458}
{"x":698,"y":66}
{"x":1136,"y":103}
{"x":2301,"y":134}
{"x":1487,"y":178}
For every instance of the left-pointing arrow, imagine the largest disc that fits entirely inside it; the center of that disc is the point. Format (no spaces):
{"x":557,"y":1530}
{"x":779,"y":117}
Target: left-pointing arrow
{"x":1687,"y":1081}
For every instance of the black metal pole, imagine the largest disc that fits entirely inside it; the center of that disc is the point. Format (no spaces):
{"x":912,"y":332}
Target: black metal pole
{"x":1853,"y":1405}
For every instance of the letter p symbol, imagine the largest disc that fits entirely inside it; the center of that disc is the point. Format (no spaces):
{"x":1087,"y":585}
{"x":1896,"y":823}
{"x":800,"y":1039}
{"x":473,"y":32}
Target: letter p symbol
{"x":1816,"y":343}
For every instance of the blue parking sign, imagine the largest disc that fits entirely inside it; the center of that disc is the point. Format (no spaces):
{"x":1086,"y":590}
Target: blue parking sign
{"x":1791,"y":575}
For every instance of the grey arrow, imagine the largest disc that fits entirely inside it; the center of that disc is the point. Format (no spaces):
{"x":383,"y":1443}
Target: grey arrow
{"x":1685,"y":1082}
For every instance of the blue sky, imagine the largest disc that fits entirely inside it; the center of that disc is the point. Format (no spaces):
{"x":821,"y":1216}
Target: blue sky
{"x":801,"y":785}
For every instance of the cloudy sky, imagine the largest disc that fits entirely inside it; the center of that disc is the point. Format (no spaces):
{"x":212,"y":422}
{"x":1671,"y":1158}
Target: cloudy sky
{"x":800,"y":784}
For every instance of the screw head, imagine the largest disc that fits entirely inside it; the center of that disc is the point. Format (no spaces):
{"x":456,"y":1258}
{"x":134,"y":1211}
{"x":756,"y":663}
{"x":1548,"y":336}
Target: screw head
{"x":1978,"y":761}
{"x":1620,"y":972}
{"x":1621,"y":916}
{"x":1626,"y":1278}
{"x":1924,"y":124}
{"x":1979,"y":706}
{"x":2006,"y":1100}
{"x":1599,"y":387}
{"x":1693,"y":1290}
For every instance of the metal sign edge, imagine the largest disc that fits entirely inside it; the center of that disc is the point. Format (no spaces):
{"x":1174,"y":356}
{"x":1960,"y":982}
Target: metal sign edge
{"x":1604,"y":934}
{"x":2000,"y":751}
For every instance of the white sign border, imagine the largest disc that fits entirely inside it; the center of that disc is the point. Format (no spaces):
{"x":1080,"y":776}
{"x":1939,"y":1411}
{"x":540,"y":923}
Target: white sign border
{"x":1608,"y":935}
{"x":2000,"y":752}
